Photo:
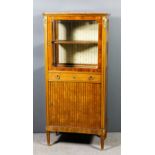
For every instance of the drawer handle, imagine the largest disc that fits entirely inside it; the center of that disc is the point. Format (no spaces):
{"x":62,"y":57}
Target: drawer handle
{"x":90,"y":78}
{"x":58,"y":77}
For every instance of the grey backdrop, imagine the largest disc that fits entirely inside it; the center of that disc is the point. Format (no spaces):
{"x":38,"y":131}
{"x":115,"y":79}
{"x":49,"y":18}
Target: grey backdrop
{"x":114,"y":72}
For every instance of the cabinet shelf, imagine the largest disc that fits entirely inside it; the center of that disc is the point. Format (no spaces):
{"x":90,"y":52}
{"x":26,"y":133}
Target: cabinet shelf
{"x":74,"y":42}
{"x":76,"y":65}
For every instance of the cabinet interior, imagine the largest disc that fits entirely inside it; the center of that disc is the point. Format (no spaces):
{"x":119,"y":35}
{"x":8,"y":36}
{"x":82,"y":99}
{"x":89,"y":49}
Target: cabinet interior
{"x":75,"y":43}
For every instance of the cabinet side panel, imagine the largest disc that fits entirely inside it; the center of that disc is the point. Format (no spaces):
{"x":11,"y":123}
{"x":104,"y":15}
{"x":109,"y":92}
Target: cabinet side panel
{"x":104,"y":73}
{"x":75,"y":104}
{"x":46,"y":65}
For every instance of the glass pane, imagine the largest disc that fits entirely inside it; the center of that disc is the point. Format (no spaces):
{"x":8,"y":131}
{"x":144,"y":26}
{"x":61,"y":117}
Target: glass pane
{"x":75,"y":43}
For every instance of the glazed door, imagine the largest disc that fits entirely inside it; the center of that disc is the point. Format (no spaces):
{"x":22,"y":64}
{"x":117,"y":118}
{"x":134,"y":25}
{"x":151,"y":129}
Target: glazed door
{"x":74,"y":43}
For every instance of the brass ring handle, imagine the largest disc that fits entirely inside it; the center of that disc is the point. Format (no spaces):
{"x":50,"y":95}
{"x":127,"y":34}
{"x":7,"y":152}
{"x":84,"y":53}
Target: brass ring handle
{"x":58,"y":77}
{"x":91,"y":78}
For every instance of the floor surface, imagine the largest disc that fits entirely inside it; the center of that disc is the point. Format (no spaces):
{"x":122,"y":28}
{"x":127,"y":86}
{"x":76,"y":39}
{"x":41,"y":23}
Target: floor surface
{"x":76,"y":144}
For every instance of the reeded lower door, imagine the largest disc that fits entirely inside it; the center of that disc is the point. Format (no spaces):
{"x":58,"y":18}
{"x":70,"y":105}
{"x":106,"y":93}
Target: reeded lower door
{"x":74,"y":104}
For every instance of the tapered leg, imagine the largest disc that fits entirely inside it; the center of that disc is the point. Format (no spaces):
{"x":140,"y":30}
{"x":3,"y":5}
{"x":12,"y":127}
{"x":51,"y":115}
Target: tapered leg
{"x":48,"y":137}
{"x":102,"y":142}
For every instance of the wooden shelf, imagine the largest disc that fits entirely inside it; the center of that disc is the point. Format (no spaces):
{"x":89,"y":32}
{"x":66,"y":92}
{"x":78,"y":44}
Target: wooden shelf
{"x":74,"y":42}
{"x":76,"y":65}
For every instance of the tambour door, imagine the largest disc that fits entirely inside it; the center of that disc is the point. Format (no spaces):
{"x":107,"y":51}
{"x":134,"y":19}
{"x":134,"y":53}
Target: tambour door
{"x":75,"y":104}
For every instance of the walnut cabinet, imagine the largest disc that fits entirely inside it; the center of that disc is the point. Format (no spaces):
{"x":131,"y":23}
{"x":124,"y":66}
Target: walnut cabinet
{"x":75,"y":73}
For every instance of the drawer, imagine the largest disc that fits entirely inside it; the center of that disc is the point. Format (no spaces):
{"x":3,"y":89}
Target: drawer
{"x":75,"y":77}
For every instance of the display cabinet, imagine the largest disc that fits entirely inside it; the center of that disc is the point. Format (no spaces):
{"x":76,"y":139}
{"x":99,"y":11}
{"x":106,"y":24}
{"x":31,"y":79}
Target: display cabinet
{"x":75,"y":72}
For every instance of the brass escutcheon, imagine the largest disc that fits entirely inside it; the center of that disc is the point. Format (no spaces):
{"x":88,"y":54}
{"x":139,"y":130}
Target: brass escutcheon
{"x":91,"y":78}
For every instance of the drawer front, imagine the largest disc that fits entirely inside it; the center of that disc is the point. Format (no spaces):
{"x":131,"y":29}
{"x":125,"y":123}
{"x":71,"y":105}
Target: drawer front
{"x":74,"y":77}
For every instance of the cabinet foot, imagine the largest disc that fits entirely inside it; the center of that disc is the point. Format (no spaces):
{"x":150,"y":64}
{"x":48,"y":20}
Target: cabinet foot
{"x":102,"y":142}
{"x":48,"y":137}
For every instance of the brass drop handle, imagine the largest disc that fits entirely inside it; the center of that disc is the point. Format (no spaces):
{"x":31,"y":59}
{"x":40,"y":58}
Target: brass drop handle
{"x":91,"y":78}
{"x":58,"y":77}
